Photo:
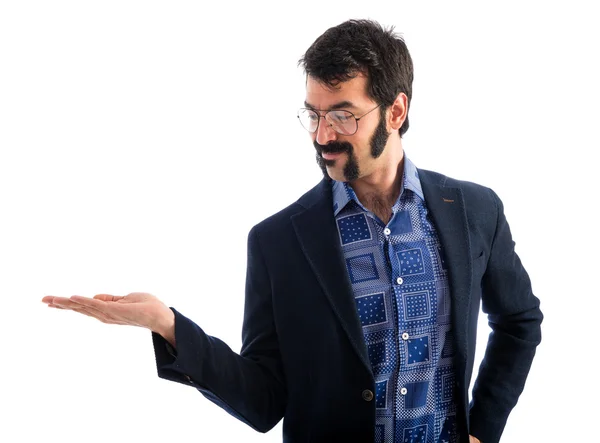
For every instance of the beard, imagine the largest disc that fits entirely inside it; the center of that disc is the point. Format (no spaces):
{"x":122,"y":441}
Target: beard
{"x":351,"y":168}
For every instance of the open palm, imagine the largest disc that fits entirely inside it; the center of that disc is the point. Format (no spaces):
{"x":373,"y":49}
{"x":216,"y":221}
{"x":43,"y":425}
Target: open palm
{"x":135,"y":309}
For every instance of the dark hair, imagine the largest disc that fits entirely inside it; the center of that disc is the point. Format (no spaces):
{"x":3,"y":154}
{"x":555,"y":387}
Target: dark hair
{"x":363,"y":47}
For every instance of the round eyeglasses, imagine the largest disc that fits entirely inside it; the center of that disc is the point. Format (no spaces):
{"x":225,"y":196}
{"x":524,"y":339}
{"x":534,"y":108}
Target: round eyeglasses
{"x":342,"y":122}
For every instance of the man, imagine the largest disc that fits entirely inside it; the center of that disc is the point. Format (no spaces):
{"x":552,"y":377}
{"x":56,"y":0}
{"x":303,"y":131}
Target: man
{"x":362,"y":297}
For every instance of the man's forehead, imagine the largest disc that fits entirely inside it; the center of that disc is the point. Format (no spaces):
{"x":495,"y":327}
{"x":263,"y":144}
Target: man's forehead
{"x":320,"y":94}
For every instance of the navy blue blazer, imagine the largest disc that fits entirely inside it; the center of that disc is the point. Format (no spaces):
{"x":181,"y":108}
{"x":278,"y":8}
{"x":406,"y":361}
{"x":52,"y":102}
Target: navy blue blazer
{"x":303,"y":355}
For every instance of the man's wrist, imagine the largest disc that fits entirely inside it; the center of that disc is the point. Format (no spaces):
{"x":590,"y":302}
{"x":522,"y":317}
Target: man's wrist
{"x":166,"y":327}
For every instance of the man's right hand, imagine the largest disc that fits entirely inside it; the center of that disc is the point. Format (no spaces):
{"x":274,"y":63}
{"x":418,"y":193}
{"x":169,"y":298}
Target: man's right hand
{"x":135,"y":309}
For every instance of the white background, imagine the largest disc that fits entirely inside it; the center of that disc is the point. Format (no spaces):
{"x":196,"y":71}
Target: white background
{"x":140,"y":141}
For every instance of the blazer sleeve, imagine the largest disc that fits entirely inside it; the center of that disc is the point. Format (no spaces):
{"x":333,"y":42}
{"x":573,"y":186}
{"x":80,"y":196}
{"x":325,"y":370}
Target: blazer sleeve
{"x":515,"y":318}
{"x":250,"y":385}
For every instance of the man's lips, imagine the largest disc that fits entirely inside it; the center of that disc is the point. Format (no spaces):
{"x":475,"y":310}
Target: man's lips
{"x":331,"y":155}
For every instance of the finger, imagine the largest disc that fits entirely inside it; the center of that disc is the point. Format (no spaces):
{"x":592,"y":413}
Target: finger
{"x":91,"y":302}
{"x":94,"y":308}
{"x":108,"y":297}
{"x":67,"y":304}
{"x":64,"y":303}
{"x":107,"y":308}
{"x":106,"y":312}
{"x":53,"y":298}
{"x":78,"y":303}
{"x":98,"y":315}
{"x":95,"y":314}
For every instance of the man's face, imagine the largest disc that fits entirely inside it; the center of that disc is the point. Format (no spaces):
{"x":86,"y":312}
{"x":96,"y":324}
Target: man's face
{"x":347,"y":157}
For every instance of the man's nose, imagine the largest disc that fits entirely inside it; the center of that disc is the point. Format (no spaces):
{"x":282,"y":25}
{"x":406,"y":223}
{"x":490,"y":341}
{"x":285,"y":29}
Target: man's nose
{"x":325,"y":132}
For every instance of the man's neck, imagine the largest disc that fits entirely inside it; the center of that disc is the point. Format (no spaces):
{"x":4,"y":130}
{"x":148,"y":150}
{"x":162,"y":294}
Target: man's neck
{"x":379,"y":191}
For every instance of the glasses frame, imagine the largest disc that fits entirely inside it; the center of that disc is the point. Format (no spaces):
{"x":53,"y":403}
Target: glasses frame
{"x":324,"y":116}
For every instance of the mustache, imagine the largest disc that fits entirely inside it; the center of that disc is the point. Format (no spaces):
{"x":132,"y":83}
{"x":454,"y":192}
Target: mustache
{"x":333,"y":147}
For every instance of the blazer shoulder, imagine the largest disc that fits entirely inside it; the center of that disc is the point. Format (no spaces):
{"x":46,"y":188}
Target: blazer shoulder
{"x":282,"y":220}
{"x":470,"y":190}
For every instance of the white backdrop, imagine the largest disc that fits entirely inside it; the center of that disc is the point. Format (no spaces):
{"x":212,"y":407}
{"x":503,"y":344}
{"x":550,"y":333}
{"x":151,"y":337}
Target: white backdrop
{"x":141,"y":140}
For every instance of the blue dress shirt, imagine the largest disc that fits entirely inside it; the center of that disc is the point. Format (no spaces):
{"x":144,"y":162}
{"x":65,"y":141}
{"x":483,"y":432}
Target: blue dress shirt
{"x":400,"y":287}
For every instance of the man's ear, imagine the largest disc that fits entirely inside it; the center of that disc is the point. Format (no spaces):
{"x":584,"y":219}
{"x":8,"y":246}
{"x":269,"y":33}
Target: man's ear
{"x":398,"y":112}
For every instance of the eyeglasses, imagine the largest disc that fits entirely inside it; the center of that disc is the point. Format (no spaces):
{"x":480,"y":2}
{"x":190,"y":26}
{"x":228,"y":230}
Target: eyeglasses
{"x":342,"y":122}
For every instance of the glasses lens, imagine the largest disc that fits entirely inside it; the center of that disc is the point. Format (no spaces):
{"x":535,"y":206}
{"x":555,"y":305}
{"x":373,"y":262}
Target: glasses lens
{"x":309,"y":119}
{"x":342,"y":122}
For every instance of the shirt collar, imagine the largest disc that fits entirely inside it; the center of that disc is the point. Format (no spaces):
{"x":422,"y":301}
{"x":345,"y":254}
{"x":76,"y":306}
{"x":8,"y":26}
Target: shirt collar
{"x":344,"y":194}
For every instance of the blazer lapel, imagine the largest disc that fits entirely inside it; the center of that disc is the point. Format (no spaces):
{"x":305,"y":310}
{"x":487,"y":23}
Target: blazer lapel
{"x":319,"y":239}
{"x":447,"y":209}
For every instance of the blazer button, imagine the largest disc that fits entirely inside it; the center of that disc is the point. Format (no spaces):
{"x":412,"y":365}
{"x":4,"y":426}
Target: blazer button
{"x":367,"y":395}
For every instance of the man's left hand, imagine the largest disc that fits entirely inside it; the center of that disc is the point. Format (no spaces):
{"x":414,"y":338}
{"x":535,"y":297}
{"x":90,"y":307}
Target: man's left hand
{"x":474,"y":439}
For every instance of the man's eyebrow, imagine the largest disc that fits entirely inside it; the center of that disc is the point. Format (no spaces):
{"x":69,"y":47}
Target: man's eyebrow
{"x":339,"y":105}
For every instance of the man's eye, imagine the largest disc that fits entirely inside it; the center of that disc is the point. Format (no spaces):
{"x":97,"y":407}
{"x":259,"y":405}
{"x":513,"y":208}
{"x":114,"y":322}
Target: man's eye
{"x":339,"y":117}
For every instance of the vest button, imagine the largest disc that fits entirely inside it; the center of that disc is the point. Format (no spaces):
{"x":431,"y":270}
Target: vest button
{"x":367,"y":395}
